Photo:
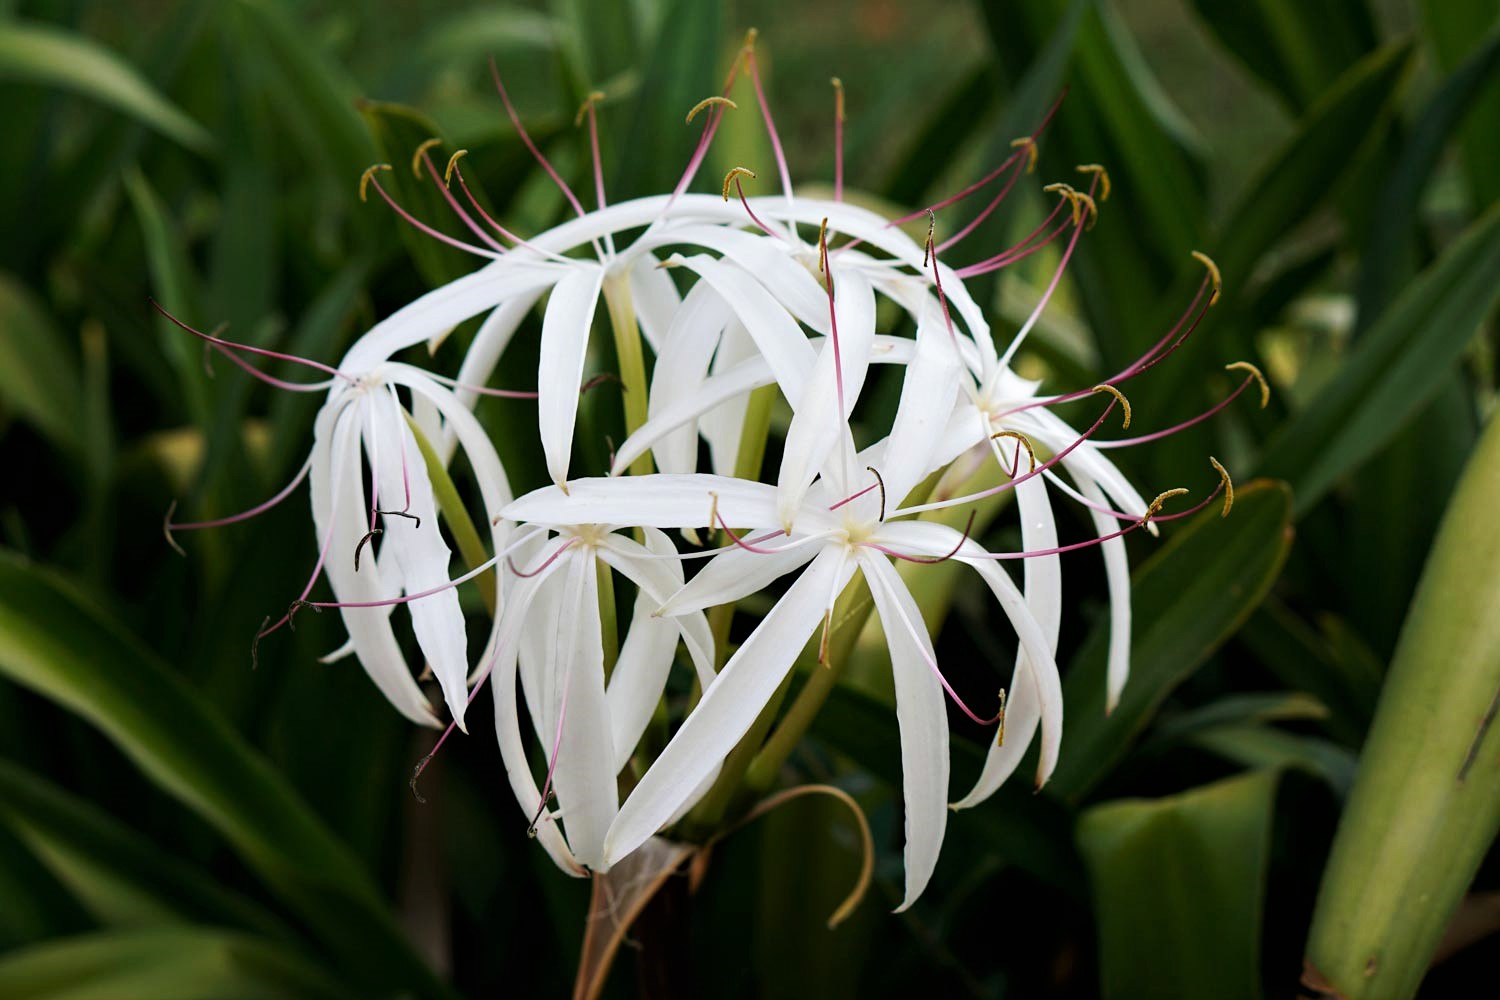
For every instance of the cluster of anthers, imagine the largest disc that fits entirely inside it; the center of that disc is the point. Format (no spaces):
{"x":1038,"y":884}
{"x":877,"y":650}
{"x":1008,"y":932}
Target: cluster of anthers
{"x":741,"y":301}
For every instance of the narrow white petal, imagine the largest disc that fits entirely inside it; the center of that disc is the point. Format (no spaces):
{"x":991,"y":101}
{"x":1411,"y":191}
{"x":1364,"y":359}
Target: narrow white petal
{"x":655,"y":297}
{"x":769,"y":262}
{"x":1117,"y":574}
{"x":781,"y":341}
{"x":931,"y":539}
{"x":724,"y":425}
{"x":657,"y":501}
{"x":565,"y":342}
{"x":728,"y":707}
{"x":927,"y":400}
{"x":419,"y":550}
{"x":639,"y":677}
{"x":508,"y":726}
{"x":681,"y":365}
{"x":737,"y":573}
{"x":658,"y":580}
{"x":671,"y":432}
{"x":584,"y":774}
{"x":339,"y":514}
{"x":923,"y":721}
{"x":818,"y":423}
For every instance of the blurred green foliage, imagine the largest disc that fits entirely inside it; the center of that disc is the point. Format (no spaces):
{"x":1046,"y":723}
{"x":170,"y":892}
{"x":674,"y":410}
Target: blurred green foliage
{"x":174,"y":823}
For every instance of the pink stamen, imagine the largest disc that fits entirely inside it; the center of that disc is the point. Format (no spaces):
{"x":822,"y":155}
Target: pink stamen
{"x":937,"y":279}
{"x":838,"y":144}
{"x":739,"y":540}
{"x":928,"y":560}
{"x":833,"y":323}
{"x":427,"y":230}
{"x":988,"y":209}
{"x":562,"y":713}
{"x":1051,"y":285}
{"x":854,"y":496}
{"x":545,"y":563}
{"x":244,"y":515}
{"x":404,"y":598}
{"x":751,"y":212}
{"x":515,"y":120}
{"x":468,"y":220}
{"x":765,"y":112}
{"x":1206,"y":414}
{"x":1025,"y":248}
{"x":227,"y":346}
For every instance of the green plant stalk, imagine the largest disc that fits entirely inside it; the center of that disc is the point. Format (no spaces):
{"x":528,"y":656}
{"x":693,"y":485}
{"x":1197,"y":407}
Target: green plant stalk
{"x":609,"y":628}
{"x":456,"y":515}
{"x":631,"y":361}
{"x":1426,"y":803}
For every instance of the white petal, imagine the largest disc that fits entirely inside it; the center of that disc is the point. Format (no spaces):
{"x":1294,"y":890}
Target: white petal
{"x":657,"y":501}
{"x":565,"y":342}
{"x":1117,"y":574}
{"x":818,"y":425}
{"x":728,"y":707}
{"x":930,"y":539}
{"x":508,"y":726}
{"x":339,"y":512}
{"x":769,"y":261}
{"x":923,"y":722}
{"x":927,"y":397}
{"x":670,"y":429}
{"x":781,"y":341}
{"x":724,"y":425}
{"x":737,"y":573}
{"x":490,"y":341}
{"x":639,"y":677}
{"x":655,"y":297}
{"x":584,"y":772}
{"x":681,"y":365}
{"x":658,"y":580}
{"x":419,"y":550}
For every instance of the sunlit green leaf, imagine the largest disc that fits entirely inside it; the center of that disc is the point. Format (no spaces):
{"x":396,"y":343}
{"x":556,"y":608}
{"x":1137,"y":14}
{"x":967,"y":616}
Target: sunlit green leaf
{"x":39,"y":378}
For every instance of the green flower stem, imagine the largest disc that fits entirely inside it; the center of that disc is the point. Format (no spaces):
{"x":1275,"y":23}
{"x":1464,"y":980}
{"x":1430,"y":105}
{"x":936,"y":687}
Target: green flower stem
{"x":609,"y":629}
{"x":632,"y":362}
{"x":456,"y":515}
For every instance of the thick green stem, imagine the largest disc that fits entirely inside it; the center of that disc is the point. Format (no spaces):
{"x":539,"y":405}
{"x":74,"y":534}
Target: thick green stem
{"x":609,"y":629}
{"x":631,"y":360}
{"x":456,"y":515}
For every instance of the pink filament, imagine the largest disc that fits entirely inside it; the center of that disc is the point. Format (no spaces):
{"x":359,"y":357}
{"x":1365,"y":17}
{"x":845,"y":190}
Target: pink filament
{"x":515,"y":120}
{"x":245,"y":515}
{"x":427,"y":230}
{"x":226,"y":346}
{"x":765,"y":111}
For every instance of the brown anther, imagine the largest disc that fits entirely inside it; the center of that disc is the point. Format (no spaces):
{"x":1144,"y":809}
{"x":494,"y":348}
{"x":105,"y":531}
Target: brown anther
{"x":1025,"y":442}
{"x":929,"y":251}
{"x":296,"y":606}
{"x":1213,"y":274}
{"x":881,"y":481}
{"x":750,"y":36}
{"x":416,"y":158}
{"x":1265,"y":387}
{"x":823,"y":642}
{"x":1228,"y":486}
{"x":732,"y":178}
{"x":1000,"y":720}
{"x":1119,"y":397}
{"x":452,"y":166}
{"x":595,"y":96}
{"x":364,"y":178}
{"x":713,"y":509}
{"x":1029,"y":144}
{"x":1103,"y":175}
{"x":1154,"y":507}
{"x":362,"y":542}
{"x":823,"y":246}
{"x":709,"y":102}
{"x":838,"y":98}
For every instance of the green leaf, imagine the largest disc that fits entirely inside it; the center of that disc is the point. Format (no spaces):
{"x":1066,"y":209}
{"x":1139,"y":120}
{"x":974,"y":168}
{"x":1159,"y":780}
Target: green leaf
{"x":164,"y":964}
{"x":1398,"y":366}
{"x":1425,"y":808}
{"x":1454,"y":30}
{"x":1297,"y":48}
{"x":1255,"y":746}
{"x":1187,"y":599}
{"x":39,"y":377}
{"x":398,"y":131}
{"x":682,"y":70}
{"x":55,"y":642}
{"x":1304,"y":660}
{"x":1179,"y":887}
{"x":1396,"y":215}
{"x":34,"y":53}
{"x":122,"y":878}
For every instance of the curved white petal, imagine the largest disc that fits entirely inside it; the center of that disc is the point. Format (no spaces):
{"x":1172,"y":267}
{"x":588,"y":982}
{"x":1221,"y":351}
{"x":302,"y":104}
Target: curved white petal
{"x":728,"y":707}
{"x":658,"y":579}
{"x":655,"y":297}
{"x":927,"y":398}
{"x":736,"y":573}
{"x":565,"y":342}
{"x":656,"y":501}
{"x":923,"y":722}
{"x":681,"y":365}
{"x":674,"y":422}
{"x":1117,"y":575}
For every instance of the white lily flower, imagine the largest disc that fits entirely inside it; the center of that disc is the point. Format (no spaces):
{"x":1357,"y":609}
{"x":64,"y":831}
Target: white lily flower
{"x":589,"y":728}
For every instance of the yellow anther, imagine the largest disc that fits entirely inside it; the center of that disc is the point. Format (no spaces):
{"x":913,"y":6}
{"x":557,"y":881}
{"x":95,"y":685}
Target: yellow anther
{"x":1213,"y":273}
{"x":594,"y":98}
{"x":709,"y":102}
{"x":452,"y":165}
{"x":823,"y":240}
{"x":1103,"y":175}
{"x":736,"y":172}
{"x":364,"y":178}
{"x":1029,"y":144}
{"x":416,"y":158}
{"x":713,"y":509}
{"x":1154,"y":507}
{"x":1228,"y":486}
{"x":750,"y":37}
{"x":1000,"y":719}
{"x":1080,"y":202}
{"x":838,"y":98}
{"x":1025,"y":442}
{"x":1265,"y":387}
{"x":823,"y":642}
{"x":1119,"y":397}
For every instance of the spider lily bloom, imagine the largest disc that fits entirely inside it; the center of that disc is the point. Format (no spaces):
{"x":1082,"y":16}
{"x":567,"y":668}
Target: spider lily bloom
{"x":590,"y":728}
{"x":833,"y":545}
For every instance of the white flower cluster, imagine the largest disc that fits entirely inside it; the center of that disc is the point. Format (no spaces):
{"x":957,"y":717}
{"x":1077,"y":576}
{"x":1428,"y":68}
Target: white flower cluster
{"x":729,"y":295}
